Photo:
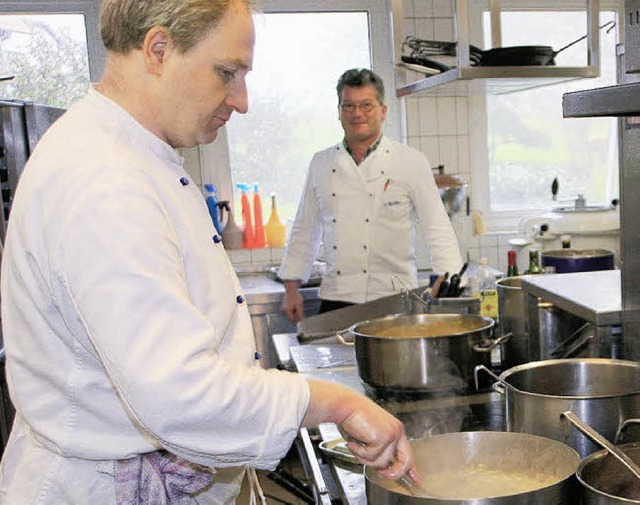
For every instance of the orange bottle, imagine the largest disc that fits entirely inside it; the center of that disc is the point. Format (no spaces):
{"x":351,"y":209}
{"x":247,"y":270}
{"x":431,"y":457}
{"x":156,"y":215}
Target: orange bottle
{"x":248,"y":239}
{"x":258,"y":222}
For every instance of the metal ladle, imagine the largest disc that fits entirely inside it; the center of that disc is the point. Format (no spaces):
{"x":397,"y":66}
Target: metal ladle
{"x":600,"y":440}
{"x":405,"y":481}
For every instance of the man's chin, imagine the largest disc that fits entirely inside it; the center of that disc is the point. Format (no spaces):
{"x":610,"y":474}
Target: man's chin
{"x":209,"y":138}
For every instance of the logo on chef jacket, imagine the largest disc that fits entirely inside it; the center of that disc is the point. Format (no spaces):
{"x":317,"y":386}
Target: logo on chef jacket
{"x":391,"y":203}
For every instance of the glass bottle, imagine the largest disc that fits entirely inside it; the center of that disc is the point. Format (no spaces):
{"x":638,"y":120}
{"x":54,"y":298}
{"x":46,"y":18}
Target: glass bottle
{"x":512,"y":263}
{"x":566,"y":241}
{"x":534,"y":262}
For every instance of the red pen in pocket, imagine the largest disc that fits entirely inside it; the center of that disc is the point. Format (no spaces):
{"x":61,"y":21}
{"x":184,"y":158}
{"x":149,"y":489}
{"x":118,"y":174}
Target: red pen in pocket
{"x":386,"y":184}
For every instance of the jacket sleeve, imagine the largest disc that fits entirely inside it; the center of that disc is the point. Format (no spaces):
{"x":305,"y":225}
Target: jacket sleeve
{"x":433,"y":221}
{"x":306,"y":232}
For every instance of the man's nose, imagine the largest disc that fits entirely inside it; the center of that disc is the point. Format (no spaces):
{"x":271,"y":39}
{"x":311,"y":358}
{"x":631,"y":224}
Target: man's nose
{"x":238,"y":98}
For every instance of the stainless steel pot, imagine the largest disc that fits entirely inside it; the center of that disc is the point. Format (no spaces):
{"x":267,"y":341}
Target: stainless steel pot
{"x":604,"y":481}
{"x":427,"y":352}
{"x":546,"y":467}
{"x":602,"y":392}
{"x":512,"y":318}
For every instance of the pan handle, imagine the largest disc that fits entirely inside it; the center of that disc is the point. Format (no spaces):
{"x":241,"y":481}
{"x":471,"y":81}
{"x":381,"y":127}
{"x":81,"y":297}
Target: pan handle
{"x":611,"y":25}
{"x":600,"y":440}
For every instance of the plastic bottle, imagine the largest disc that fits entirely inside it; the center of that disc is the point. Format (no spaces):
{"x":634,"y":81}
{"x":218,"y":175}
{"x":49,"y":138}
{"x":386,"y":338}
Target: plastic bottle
{"x":248,"y":239}
{"x":258,"y":223}
{"x":233,"y":234}
{"x":212,"y":204}
{"x":484,"y":285}
{"x":275,"y":229}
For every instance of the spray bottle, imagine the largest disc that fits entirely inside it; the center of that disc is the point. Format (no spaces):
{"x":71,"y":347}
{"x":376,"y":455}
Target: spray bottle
{"x":248,"y":240}
{"x":258,"y":223}
{"x":212,"y":204}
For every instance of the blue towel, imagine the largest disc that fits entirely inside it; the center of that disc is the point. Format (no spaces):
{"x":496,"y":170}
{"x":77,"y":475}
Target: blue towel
{"x":159,"y":478}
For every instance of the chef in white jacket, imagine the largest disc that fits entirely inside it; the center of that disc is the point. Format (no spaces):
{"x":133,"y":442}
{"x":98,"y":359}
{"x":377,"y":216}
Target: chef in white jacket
{"x":363,"y":199}
{"x":128,"y":339}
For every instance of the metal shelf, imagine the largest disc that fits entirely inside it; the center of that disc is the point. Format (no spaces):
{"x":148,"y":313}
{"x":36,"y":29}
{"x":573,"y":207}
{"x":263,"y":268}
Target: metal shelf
{"x":467,"y":79}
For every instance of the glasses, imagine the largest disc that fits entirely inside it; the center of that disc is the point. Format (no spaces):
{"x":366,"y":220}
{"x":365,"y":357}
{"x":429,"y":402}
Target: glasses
{"x":365,"y":107}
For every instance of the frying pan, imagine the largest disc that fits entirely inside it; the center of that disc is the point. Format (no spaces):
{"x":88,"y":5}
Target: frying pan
{"x":496,"y":57}
{"x":522,"y":55}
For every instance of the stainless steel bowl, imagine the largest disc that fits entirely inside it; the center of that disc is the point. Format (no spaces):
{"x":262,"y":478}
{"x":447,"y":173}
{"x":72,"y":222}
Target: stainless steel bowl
{"x":453,"y":191}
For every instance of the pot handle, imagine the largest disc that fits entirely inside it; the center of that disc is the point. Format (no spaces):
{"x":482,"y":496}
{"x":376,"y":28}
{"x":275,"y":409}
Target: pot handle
{"x":495,"y":386}
{"x":492,"y":344}
{"x":600,"y":440}
{"x":623,"y":427}
{"x":340,"y":335}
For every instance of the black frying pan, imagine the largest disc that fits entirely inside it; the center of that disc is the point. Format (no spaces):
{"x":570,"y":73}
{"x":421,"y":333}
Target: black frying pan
{"x":521,"y":55}
{"x":422,"y":50}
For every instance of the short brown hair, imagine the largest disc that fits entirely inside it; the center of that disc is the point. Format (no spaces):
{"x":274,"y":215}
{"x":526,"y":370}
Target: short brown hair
{"x":125,"y":23}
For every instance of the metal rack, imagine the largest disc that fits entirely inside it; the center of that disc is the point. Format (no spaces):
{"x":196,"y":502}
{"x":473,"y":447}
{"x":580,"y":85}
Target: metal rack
{"x":468,"y":79}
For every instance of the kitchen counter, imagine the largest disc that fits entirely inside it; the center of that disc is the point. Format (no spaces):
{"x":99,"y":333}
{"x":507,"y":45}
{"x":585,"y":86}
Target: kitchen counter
{"x":594,"y":296}
{"x":264,"y":295}
{"x":574,"y":315}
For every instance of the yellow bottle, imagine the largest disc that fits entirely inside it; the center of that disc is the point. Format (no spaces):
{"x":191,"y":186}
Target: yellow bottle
{"x":276,"y":231}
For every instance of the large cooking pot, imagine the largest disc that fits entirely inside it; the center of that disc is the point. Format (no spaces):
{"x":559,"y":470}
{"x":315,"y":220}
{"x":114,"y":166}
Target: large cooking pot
{"x":578,"y":260}
{"x":426,"y":352}
{"x":605,"y":481}
{"x":485,"y":467}
{"x":602,"y":392}
{"x":512,"y":318}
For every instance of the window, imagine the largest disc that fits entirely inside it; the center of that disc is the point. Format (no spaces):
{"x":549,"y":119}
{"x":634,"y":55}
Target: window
{"x":51,"y":49}
{"x":529,"y":143}
{"x":293,"y":106}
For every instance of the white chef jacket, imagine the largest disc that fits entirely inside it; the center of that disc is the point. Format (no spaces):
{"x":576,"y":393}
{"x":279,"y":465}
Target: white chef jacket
{"x":125,"y":327}
{"x":366,"y":217}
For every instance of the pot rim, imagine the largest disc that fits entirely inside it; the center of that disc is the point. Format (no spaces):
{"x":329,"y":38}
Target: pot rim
{"x":551,"y":362}
{"x":488,"y":324}
{"x":568,"y":451}
{"x":575,"y":254}
{"x":598,"y":455}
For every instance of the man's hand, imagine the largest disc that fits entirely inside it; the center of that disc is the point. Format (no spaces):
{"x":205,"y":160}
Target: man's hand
{"x":293,"y":305}
{"x":374,"y":436}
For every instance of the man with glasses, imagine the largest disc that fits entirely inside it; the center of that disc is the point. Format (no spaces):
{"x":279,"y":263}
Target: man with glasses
{"x":363,"y":199}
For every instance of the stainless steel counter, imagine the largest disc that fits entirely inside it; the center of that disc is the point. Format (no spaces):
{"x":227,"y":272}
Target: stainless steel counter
{"x":264,"y":297}
{"x":594,"y":296}
{"x":574,"y":315}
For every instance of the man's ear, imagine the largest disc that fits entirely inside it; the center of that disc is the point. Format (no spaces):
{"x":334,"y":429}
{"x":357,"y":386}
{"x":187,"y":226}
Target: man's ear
{"x":156,"y":47}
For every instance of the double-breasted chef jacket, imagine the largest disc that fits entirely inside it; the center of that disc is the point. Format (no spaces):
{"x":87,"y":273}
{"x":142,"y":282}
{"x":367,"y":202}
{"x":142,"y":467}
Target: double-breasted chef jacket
{"x":366,"y":217}
{"x":125,"y":327}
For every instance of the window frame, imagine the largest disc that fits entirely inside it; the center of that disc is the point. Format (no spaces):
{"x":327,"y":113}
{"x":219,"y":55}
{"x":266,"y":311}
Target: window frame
{"x":509,"y":220}
{"x":97,"y":54}
{"x":213,"y":160}
{"x":380,"y":37}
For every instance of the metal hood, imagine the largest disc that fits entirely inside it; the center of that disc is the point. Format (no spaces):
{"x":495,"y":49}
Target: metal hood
{"x":468,"y":79}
